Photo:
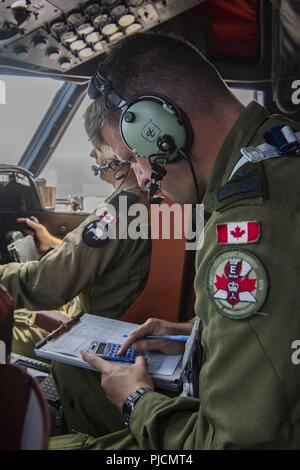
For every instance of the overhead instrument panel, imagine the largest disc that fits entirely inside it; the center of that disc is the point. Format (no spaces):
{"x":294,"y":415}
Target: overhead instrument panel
{"x":61,"y":34}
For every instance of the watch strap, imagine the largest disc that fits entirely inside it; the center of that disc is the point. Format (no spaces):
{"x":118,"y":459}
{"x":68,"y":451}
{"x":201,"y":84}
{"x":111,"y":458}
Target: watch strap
{"x":131,"y":401}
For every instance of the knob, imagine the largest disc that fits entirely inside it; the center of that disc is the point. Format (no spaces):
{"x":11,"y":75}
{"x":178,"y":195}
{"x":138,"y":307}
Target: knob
{"x":39,"y":42}
{"x":129,"y":117}
{"x":93,"y":9}
{"x":20,"y":12}
{"x":22,"y":51}
{"x":166,"y":143}
{"x":65,"y":63}
{"x":53,"y":53}
{"x":59,"y":28}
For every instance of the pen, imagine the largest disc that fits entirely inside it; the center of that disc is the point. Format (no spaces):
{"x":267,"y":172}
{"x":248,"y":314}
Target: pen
{"x":181,"y":338}
{"x":63,"y":328}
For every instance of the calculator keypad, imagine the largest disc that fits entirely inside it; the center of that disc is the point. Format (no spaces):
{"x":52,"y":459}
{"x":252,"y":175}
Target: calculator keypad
{"x":112,"y":349}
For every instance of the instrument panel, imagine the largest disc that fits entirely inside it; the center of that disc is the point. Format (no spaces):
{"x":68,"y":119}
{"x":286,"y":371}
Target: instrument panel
{"x":62,"y":34}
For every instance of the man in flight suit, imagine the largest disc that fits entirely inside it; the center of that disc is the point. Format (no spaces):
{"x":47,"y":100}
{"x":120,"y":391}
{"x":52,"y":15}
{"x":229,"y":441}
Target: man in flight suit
{"x":247,"y":272}
{"x":106,"y":275}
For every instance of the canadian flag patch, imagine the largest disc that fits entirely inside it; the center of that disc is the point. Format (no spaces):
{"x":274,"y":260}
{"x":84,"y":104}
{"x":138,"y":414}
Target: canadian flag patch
{"x":107,"y":217}
{"x":238,"y":232}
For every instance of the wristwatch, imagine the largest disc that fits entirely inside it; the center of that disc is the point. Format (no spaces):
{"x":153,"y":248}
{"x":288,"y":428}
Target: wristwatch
{"x":131,"y":401}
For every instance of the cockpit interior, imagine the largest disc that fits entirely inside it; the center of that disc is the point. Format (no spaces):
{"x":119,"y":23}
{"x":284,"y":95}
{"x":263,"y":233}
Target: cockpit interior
{"x":49,"y":50}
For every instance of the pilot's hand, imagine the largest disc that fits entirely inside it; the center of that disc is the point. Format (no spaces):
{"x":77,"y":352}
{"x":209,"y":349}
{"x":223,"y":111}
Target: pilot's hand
{"x":45,"y":239}
{"x":155,"y":326}
{"x":118,"y":381}
{"x":49,"y":320}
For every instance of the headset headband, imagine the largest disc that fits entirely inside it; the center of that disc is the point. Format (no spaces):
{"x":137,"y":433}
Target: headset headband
{"x":100,"y":86}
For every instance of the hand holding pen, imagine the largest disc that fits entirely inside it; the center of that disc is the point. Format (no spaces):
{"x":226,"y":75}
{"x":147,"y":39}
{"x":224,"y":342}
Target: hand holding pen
{"x":139,"y":339}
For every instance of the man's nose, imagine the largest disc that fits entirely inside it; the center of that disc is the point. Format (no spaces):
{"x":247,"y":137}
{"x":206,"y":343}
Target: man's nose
{"x":142,"y":176}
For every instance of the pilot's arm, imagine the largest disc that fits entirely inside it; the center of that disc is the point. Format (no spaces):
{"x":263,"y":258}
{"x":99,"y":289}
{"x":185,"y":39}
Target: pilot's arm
{"x":62,"y":273}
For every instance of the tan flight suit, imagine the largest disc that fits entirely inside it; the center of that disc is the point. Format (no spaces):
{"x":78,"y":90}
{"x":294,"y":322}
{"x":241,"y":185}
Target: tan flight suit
{"x":107,"y":278}
{"x":249,"y":386}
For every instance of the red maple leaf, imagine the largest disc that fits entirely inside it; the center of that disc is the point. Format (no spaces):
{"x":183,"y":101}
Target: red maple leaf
{"x":244,"y":285}
{"x":247,"y":285}
{"x":237,"y":232}
{"x":221,"y":282}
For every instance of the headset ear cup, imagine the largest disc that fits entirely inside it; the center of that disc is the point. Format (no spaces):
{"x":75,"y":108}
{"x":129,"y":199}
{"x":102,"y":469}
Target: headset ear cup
{"x":152,"y":125}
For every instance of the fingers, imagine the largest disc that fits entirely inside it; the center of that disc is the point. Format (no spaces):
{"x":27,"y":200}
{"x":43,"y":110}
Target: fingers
{"x":96,"y":362}
{"x":141,"y":361}
{"x":32,"y":224}
{"x":129,"y":342}
{"x":29,"y":222}
{"x":146,"y":329}
{"x":149,"y":345}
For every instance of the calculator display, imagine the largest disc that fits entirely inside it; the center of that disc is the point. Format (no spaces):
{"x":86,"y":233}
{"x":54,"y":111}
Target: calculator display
{"x":101,"y":348}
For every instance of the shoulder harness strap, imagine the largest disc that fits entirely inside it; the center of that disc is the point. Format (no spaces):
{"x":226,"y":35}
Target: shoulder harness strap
{"x":287,"y":143}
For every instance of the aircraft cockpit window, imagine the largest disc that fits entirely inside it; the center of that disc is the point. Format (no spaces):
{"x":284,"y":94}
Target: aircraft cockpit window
{"x":70,"y":182}
{"x":66,"y":183}
{"x":27,"y":100}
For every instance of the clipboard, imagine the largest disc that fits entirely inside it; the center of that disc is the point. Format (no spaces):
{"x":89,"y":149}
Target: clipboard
{"x":65,"y":343}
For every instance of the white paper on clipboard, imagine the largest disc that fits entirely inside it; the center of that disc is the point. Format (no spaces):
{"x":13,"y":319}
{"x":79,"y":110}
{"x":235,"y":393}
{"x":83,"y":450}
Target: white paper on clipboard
{"x":67,"y":347}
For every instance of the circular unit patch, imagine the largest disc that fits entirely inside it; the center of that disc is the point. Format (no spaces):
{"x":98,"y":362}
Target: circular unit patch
{"x":95,"y":234}
{"x":237,"y":283}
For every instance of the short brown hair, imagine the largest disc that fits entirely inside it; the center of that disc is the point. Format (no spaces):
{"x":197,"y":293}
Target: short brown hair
{"x":156,"y":63}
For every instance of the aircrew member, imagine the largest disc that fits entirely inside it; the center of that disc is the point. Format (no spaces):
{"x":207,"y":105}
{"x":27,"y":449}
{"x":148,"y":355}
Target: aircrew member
{"x":245,"y":169}
{"x":106,"y":274}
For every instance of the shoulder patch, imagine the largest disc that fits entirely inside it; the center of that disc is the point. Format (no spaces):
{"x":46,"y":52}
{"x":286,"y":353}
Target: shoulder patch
{"x":238,"y":232}
{"x":95,"y":234}
{"x":237,"y":283}
{"x":248,"y":182}
{"x":105,"y":216}
{"x":241,"y":187}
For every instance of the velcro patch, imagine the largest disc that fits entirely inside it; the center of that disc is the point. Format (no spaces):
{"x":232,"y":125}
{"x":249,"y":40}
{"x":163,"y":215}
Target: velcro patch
{"x":248,"y":182}
{"x":238,"y":232}
{"x":237,"y":283}
{"x":95,"y":234}
{"x":107,"y":217}
{"x":233,"y":189}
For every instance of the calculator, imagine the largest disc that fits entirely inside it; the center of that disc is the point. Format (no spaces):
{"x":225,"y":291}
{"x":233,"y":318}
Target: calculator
{"x":109,"y":351}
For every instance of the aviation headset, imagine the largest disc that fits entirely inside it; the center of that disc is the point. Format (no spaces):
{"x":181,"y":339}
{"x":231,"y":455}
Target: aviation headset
{"x":151,"y":126}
